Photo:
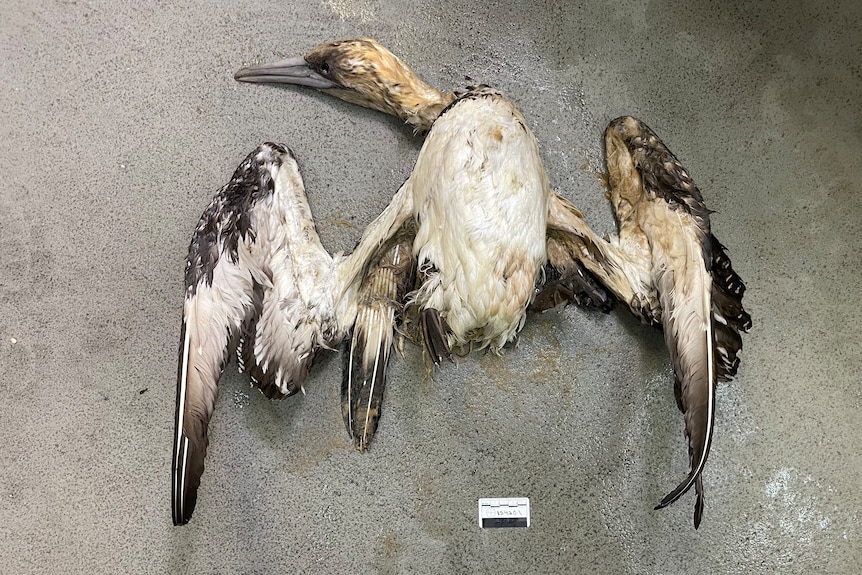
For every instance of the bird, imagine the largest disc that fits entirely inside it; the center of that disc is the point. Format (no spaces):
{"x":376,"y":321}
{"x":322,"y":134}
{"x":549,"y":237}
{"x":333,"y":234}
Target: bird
{"x":655,"y":245}
{"x":478,"y":195}
{"x":259,"y":284}
{"x":670,"y":270}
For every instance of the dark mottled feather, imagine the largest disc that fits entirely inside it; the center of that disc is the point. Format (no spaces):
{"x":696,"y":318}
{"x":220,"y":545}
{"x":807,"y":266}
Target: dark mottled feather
{"x":664,"y":175}
{"x":730,"y":318}
{"x":566,"y":280}
{"x":226,"y":218}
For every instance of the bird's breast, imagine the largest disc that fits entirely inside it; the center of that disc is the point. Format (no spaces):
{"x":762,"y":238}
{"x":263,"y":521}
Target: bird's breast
{"x":481,"y":200}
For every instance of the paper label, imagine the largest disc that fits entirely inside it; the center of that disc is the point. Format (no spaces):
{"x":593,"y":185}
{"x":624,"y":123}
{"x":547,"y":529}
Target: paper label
{"x":504,"y":512}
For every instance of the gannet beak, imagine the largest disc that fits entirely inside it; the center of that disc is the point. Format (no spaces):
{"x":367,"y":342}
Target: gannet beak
{"x":290,"y":71}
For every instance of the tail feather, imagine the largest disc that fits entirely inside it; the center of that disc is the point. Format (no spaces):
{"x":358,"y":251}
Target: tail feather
{"x":380,"y":305}
{"x":435,"y":333}
{"x":364,"y":380}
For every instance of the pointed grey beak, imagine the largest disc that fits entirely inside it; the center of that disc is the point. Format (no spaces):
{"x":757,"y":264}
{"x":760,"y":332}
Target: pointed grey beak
{"x":291,"y":71}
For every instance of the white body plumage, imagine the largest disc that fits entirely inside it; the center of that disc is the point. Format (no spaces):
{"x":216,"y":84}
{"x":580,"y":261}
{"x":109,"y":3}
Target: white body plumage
{"x":479,"y":193}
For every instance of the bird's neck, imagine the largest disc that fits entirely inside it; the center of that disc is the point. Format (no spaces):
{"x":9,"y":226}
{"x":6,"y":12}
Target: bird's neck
{"x":419,"y":105}
{"x":403,"y":95}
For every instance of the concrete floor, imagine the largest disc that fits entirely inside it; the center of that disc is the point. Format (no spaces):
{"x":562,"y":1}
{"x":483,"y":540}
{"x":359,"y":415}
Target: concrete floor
{"x":120,"y":122}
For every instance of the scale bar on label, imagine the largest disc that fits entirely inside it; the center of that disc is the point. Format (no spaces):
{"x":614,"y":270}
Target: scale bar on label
{"x":496,"y":512}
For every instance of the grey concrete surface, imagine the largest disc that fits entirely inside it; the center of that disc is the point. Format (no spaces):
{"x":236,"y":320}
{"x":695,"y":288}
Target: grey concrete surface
{"x":119,"y":122}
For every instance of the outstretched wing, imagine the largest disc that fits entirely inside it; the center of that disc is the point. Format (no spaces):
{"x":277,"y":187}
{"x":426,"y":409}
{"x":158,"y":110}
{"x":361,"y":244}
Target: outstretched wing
{"x":221,"y":272}
{"x":699,"y":293}
{"x":671,"y":212}
{"x":380,"y":305}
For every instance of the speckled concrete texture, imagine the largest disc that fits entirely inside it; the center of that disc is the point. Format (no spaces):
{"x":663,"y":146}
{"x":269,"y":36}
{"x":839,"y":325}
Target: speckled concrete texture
{"x":118,"y":124}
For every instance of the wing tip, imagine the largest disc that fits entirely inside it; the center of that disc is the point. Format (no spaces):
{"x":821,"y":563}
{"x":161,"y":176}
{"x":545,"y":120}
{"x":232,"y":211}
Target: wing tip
{"x":698,"y":511}
{"x":678,"y":492}
{"x":187,"y":470}
{"x":693,"y":479}
{"x":182,"y":515}
{"x":184,"y":482}
{"x":183,"y":511}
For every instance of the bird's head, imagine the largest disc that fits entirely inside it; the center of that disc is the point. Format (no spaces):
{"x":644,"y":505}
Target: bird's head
{"x":632,"y":134}
{"x":622,"y":138}
{"x":360,"y":71}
